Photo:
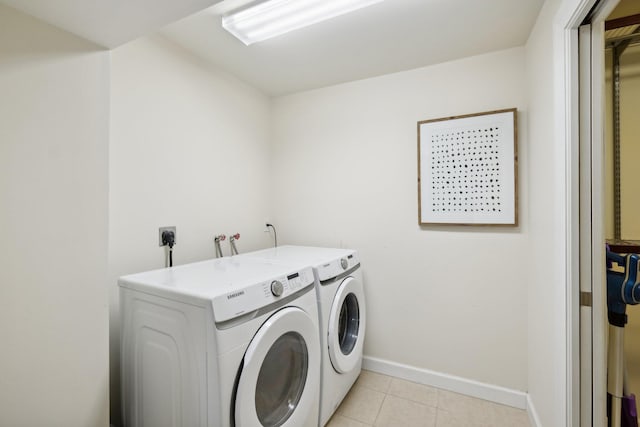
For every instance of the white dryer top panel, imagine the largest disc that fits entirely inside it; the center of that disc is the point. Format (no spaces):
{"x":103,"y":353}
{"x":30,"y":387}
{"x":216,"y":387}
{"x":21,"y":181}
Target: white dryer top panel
{"x":235,"y":285}
{"x":300,"y":255}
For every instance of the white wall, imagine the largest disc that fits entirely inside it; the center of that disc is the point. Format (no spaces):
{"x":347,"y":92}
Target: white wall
{"x":629,"y":144}
{"x":546,"y":293}
{"x":189,"y":147}
{"x":54,"y":90}
{"x":443,"y":298}
{"x":630,"y":152}
{"x":547,"y":262}
{"x":438,"y":296}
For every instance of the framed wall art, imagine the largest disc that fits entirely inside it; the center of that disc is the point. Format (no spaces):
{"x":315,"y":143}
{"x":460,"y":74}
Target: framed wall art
{"x":468,"y":168}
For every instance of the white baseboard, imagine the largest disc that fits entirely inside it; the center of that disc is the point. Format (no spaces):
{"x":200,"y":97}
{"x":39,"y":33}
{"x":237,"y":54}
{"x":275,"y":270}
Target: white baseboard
{"x":534,"y":420}
{"x":492,"y":393}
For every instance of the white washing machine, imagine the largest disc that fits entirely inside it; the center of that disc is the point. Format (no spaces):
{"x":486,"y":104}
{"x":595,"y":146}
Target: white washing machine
{"x":220,"y":343}
{"x":342,"y":310}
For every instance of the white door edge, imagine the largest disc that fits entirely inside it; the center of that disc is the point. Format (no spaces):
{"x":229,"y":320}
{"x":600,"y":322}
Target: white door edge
{"x":289,"y":319}
{"x":341,"y":362}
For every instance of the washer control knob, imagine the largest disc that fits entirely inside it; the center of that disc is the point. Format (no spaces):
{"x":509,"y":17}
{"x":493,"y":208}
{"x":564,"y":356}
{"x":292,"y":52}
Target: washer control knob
{"x":276,"y":288}
{"x":344,"y":263}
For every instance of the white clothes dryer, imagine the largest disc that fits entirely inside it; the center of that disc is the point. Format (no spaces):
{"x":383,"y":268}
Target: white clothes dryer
{"x":342,"y":311}
{"x":228,"y":342}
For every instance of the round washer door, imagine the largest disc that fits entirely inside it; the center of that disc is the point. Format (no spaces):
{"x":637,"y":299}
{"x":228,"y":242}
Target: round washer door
{"x":347,"y":325}
{"x":279,"y":382}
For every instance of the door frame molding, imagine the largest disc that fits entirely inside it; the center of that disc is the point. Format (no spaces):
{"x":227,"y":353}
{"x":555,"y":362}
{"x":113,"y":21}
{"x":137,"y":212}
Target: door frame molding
{"x":570,"y":17}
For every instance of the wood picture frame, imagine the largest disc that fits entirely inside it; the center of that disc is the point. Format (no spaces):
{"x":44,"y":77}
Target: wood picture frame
{"x":468,"y":169}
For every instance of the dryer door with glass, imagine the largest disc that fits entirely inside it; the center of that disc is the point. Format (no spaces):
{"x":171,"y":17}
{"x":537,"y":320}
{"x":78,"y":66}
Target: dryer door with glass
{"x":346,"y":326}
{"x":279,"y":382}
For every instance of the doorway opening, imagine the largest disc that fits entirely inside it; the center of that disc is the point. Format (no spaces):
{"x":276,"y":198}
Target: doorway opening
{"x":608,"y":29}
{"x":621,"y":219}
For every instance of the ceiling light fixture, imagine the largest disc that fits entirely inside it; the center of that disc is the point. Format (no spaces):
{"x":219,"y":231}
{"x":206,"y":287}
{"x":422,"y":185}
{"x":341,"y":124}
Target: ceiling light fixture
{"x":272,"y":18}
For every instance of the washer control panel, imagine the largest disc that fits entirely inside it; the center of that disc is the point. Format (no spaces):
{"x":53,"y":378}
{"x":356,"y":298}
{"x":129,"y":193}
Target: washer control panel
{"x":334,"y":268}
{"x":245,"y":299}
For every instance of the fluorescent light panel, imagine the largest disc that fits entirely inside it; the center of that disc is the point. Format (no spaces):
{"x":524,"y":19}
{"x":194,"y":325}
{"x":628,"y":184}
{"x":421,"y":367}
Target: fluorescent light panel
{"x":275,"y":17}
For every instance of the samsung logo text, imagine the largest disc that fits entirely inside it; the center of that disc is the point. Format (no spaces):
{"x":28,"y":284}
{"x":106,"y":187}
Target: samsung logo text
{"x":235,"y":294}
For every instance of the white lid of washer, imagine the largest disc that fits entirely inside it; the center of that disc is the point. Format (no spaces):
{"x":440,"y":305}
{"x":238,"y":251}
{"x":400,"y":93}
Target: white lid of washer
{"x":235,"y":285}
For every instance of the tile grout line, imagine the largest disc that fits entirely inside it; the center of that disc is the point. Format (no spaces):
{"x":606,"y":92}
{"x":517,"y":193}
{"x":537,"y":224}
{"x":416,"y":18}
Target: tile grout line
{"x":356,"y":420}
{"x":379,"y":409}
{"x":408,"y":399}
{"x":373,"y":388}
{"x":437,"y":415}
{"x":389,"y":385}
{"x":438,"y":407}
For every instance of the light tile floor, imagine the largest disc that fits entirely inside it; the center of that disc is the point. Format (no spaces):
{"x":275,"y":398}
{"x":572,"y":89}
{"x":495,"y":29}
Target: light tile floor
{"x":382,"y":401}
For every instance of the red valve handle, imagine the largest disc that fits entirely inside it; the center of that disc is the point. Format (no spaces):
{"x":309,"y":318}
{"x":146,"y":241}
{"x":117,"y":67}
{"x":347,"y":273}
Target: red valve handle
{"x":236,"y":236}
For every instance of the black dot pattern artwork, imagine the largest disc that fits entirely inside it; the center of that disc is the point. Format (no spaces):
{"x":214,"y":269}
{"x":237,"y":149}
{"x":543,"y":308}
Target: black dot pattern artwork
{"x":467,"y":169}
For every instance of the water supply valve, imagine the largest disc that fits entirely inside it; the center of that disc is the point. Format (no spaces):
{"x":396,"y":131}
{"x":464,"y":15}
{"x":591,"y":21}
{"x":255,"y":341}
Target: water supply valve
{"x":217,"y":239}
{"x":232,"y":243}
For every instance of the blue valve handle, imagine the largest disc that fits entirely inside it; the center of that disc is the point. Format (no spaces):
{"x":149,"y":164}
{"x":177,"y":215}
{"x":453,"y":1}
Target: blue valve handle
{"x":623,"y":288}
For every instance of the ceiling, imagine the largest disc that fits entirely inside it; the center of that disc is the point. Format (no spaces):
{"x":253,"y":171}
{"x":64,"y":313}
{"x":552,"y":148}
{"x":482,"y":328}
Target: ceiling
{"x":388,"y":37}
{"x":109,"y":23}
{"x":625,"y":8}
